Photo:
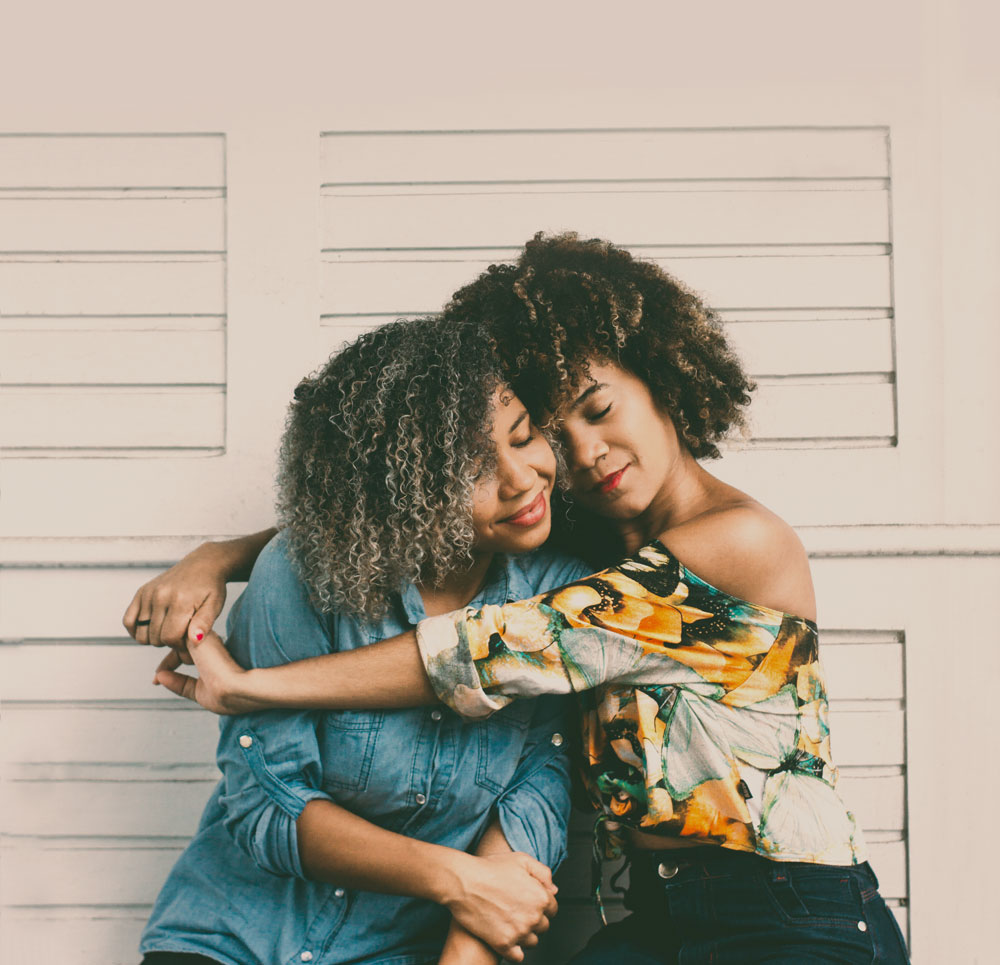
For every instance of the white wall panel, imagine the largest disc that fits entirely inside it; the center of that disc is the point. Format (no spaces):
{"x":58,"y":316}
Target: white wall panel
{"x":484,"y":156}
{"x":95,"y":286}
{"x":46,"y":418}
{"x":53,"y":222}
{"x":488,"y":220}
{"x":81,"y":161}
{"x":54,"y":357}
{"x":399,"y":283}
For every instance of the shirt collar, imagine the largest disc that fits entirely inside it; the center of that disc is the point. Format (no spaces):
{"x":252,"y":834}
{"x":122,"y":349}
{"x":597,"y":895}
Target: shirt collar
{"x":505,"y":581}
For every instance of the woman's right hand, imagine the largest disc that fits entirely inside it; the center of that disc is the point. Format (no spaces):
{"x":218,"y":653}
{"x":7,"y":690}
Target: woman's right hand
{"x":190,"y":594}
{"x":504,"y":899}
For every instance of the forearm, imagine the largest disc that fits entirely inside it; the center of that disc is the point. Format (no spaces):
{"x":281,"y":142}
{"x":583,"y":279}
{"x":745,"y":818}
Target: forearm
{"x":338,"y":846}
{"x":383,"y":675}
{"x":461,"y":947}
{"x":236,"y":557}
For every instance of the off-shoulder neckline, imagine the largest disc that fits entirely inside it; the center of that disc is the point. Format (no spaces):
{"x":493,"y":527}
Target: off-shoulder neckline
{"x":658,"y":544}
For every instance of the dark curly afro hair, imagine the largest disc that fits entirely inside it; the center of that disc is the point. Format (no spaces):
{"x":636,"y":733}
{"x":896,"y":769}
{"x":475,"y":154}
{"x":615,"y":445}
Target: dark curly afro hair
{"x":379,"y":459}
{"x":569,"y":301}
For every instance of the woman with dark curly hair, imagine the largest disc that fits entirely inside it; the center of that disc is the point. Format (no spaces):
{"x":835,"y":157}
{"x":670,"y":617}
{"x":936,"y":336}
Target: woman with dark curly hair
{"x":705,"y":738}
{"x":404,"y":489}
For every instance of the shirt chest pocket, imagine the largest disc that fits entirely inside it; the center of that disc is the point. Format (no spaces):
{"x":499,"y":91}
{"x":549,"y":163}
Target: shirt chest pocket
{"x":348,"y":739}
{"x":501,"y":743}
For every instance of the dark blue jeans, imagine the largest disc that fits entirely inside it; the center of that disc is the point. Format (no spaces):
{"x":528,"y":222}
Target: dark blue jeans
{"x":718,"y":907}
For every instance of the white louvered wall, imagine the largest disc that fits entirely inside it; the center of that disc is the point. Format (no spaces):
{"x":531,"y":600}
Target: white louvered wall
{"x":785,"y":232}
{"x":112,"y":294}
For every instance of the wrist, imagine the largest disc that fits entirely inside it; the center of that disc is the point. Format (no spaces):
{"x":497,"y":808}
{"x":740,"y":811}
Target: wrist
{"x":446,"y":878}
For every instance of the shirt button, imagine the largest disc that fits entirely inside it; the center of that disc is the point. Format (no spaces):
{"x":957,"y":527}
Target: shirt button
{"x":306,"y":956}
{"x":862,"y":926}
{"x":435,"y":715}
{"x":339,"y":893}
{"x":557,"y":740}
{"x":421,"y":799}
{"x":667,"y":870}
{"x":246,"y":741}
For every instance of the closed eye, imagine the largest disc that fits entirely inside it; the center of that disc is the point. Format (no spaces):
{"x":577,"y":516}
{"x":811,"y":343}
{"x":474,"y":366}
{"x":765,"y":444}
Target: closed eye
{"x":597,"y":416}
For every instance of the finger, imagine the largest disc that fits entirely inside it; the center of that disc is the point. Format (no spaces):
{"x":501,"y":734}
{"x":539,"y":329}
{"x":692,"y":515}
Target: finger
{"x":530,"y":940}
{"x":552,"y":908}
{"x":178,"y":683}
{"x":185,"y":655}
{"x":173,"y":630}
{"x":171,"y":661}
{"x":205,"y":616}
{"x":543,"y":925}
{"x":159,"y":614}
{"x":142,"y":622}
{"x":513,"y":954}
{"x":540,"y":872}
{"x":132,"y":613}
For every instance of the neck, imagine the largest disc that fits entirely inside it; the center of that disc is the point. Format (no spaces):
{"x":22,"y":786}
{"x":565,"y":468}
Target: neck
{"x":457,"y":588}
{"x":684,"y":494}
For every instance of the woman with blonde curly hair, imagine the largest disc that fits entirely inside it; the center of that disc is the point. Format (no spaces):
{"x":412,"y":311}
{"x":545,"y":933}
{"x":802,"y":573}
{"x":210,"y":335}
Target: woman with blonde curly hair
{"x":705,"y":738}
{"x":405,"y":489}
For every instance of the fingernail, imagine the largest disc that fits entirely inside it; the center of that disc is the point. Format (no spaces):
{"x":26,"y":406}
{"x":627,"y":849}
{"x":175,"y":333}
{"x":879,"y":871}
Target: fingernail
{"x":199,"y":636}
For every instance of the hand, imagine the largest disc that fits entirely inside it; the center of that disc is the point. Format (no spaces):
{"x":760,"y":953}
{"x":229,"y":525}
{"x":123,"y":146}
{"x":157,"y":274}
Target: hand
{"x":461,"y":947}
{"x":181,"y":603}
{"x":504,"y":899}
{"x":221,"y":684}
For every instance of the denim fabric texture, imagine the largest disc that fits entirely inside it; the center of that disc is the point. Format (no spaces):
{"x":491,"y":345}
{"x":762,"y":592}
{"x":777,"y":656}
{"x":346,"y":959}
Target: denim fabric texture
{"x":733,"y":908}
{"x":238,"y":895}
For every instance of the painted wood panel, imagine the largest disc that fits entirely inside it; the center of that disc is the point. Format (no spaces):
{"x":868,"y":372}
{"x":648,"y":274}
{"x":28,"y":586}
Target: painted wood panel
{"x":397,"y":283}
{"x":59,"y":357}
{"x":39,"y":417}
{"x":111,"y":161}
{"x":194,"y":285}
{"x":487,"y":220}
{"x":53,"y":223}
{"x":483,"y":156}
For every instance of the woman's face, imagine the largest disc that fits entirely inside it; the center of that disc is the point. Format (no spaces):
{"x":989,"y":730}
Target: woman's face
{"x":620,"y":446}
{"x":510,"y":511}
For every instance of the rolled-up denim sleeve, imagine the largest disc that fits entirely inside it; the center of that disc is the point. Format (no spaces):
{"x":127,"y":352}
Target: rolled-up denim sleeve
{"x":271,"y":762}
{"x":534,"y":810}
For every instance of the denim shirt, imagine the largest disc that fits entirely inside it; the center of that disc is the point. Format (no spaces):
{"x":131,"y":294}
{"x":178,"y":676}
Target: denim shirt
{"x":238,"y":894}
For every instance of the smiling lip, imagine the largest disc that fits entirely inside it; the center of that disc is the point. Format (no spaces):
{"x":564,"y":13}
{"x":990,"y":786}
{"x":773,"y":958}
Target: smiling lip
{"x":533,"y":513}
{"x":610,"y":482}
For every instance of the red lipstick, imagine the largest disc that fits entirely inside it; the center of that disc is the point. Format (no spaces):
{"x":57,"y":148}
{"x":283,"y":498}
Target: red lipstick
{"x":610,"y":482}
{"x":533,"y":513}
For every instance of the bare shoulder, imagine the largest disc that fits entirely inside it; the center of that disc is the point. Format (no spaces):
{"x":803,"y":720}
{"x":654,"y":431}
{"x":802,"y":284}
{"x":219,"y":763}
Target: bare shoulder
{"x":743,"y":548}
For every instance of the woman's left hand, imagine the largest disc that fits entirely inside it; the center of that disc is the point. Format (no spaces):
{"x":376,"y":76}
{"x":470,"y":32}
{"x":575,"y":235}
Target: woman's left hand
{"x":221,"y":685}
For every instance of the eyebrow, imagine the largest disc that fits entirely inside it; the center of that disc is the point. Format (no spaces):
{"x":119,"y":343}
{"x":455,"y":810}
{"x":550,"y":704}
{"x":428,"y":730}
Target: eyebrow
{"x":583,"y":396}
{"x":520,"y":419}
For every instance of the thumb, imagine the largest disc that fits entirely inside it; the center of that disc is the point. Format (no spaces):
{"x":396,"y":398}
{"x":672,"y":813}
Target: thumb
{"x":203,"y":619}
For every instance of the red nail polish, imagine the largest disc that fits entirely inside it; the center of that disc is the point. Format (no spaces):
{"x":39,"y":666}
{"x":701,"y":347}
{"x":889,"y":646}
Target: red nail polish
{"x":199,"y":636}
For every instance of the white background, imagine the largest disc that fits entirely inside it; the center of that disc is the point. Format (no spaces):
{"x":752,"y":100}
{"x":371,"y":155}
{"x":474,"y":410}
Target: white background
{"x":148,"y":355}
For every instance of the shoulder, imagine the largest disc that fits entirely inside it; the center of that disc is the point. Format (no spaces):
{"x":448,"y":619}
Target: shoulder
{"x":274,"y":620}
{"x":746,"y":550}
{"x":544,"y":569}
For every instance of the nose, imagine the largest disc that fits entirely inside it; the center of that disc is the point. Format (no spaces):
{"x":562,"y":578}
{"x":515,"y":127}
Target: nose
{"x":515,"y":474}
{"x":583,"y":446}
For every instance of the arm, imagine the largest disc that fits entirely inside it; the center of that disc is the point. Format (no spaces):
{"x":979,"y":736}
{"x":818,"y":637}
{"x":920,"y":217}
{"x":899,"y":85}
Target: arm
{"x":622,"y":625}
{"x":461,"y":947}
{"x":532,"y":814}
{"x":187,"y":599}
{"x":501,"y":896}
{"x":278,"y":812}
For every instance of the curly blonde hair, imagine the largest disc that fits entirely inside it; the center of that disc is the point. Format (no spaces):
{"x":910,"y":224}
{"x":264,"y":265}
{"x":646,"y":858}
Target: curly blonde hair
{"x":379,"y":459}
{"x":569,"y":301}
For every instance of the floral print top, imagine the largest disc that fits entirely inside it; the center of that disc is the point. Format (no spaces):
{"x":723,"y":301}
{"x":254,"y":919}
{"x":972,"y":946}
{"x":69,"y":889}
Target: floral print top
{"x":704,"y":716}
